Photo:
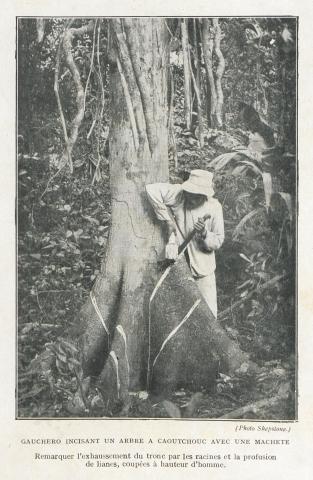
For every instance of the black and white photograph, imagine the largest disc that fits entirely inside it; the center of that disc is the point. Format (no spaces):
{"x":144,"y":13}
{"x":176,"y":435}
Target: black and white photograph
{"x":156,"y":238}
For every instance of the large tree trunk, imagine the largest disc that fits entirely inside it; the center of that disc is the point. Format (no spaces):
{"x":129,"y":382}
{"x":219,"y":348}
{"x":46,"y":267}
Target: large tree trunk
{"x":138,"y":156}
{"x":126,"y":320}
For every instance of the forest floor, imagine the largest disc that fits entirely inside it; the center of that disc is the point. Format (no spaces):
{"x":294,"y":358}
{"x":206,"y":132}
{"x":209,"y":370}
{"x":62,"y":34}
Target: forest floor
{"x":63,"y":225}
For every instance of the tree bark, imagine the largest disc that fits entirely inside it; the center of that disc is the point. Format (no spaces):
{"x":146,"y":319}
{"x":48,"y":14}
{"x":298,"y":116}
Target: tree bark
{"x":114,"y":318}
{"x":171,"y":130}
{"x":135,"y":336}
{"x":207,"y":46}
{"x":197,"y":61}
{"x":80,"y":93}
{"x":219,"y":72}
{"x":187,"y":78}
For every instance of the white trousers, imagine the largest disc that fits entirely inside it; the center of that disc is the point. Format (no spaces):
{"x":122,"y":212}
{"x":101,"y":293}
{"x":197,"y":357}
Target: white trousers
{"x":207,"y":286}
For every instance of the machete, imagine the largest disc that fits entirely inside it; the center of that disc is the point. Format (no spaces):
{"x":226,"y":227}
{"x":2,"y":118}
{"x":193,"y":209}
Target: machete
{"x":166,"y":262}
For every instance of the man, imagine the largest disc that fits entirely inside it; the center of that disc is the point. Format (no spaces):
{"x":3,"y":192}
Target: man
{"x":182,"y":208}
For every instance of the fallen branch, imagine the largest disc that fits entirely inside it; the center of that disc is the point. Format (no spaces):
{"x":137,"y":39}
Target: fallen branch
{"x":253,"y":407}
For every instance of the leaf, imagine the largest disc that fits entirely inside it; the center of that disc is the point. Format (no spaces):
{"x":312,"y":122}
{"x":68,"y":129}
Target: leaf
{"x":180,"y":393}
{"x":238,"y":170}
{"x":256,"y":169}
{"x":79,"y":163}
{"x":289,"y":239}
{"x":78,"y":233}
{"x":143,"y":395}
{"x":70,"y":346}
{"x":51,"y":347}
{"x":41,"y":362}
{"x":28,"y":327}
{"x":284,"y":390}
{"x":244,"y":294}
{"x":193,"y":404}
{"x":76,"y":405}
{"x":263,"y":275}
{"x":288,"y":201}
{"x":74,"y":362}
{"x":268,"y":188}
{"x":239,"y":229}
{"x":279,"y":372}
{"x":172,"y":409}
{"x":246,"y":283}
{"x":222,"y":160}
{"x":34,"y":392}
{"x":91,"y":220}
{"x":60,"y":366}
{"x":286,"y":35}
{"x":61,"y":357}
{"x":97,"y":402}
{"x":192,"y":141}
{"x":36,"y":256}
{"x":242,"y":255}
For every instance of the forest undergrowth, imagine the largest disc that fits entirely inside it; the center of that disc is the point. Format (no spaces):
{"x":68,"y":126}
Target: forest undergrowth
{"x":63,"y":218}
{"x":61,"y":240}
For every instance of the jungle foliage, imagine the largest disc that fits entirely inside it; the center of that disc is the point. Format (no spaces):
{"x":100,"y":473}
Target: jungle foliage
{"x":64,"y":202}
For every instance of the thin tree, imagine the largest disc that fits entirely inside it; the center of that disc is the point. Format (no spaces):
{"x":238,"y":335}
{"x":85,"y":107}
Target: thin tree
{"x":219,"y":72}
{"x":211,"y":43}
{"x":187,"y":76}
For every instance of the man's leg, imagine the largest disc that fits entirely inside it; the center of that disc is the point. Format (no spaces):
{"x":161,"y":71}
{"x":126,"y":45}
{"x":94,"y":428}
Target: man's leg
{"x":207,"y":286}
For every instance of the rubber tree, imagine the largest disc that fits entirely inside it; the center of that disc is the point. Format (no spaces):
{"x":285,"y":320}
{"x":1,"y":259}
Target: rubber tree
{"x":142,"y":328}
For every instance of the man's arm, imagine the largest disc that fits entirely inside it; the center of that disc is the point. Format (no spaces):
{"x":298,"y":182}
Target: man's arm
{"x":161,"y":196}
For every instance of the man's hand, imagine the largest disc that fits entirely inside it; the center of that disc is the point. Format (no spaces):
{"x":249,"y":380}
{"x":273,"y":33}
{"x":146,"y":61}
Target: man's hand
{"x":171,"y":248}
{"x":170,"y":228}
{"x":200,"y":228}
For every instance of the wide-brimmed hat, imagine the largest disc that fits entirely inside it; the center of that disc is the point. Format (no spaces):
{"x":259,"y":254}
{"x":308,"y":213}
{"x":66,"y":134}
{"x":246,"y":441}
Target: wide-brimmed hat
{"x":199,"y":182}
